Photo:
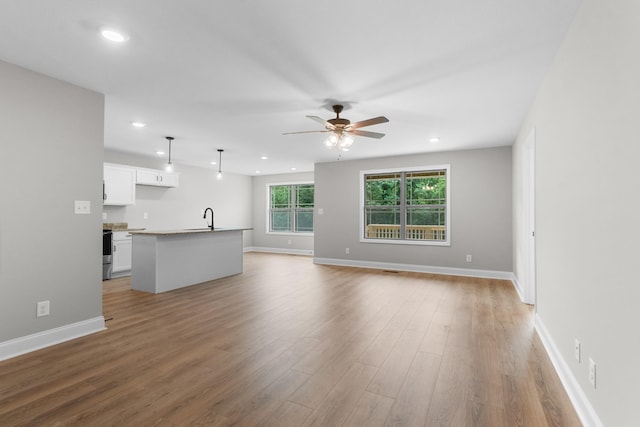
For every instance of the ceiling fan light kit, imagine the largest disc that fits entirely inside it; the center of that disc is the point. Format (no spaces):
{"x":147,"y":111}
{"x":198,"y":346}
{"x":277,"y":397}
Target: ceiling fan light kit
{"x":342,"y":141}
{"x":342,"y":131}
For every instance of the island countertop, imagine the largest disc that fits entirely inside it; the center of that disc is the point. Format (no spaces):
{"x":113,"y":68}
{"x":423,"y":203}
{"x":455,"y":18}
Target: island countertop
{"x":187,"y":231}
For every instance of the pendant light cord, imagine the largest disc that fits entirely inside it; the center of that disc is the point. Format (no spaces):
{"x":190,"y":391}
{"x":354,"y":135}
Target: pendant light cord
{"x":220,"y":150}
{"x":169,"y":138}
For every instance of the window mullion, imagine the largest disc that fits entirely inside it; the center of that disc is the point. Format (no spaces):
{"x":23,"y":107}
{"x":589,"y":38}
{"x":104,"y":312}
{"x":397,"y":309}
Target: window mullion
{"x":292,"y":210}
{"x":403,"y":206}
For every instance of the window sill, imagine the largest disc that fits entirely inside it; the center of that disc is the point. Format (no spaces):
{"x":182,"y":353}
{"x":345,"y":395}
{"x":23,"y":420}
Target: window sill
{"x":288,"y":233}
{"x":407,"y":242}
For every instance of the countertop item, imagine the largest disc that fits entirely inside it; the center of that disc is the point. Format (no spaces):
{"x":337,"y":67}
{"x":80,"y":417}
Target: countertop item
{"x":115,"y":226}
{"x":119,"y":226}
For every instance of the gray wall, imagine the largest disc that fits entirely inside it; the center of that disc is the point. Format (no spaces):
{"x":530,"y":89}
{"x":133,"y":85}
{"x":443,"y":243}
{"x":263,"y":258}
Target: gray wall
{"x":278,"y":242}
{"x":52,"y":135}
{"x":174,"y":208}
{"x":480,"y":211}
{"x":586,"y":121}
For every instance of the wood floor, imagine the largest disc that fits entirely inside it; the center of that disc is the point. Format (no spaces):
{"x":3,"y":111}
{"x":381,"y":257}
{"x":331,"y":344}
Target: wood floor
{"x":290,"y":343}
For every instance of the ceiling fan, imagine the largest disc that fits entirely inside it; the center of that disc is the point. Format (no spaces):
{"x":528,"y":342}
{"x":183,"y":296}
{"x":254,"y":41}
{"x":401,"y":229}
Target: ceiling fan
{"x":342,"y":130}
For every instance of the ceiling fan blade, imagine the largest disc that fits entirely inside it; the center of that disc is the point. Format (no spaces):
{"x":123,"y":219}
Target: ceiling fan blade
{"x":367,"y":134}
{"x":370,"y":122}
{"x":306,"y":131}
{"x":322,"y":121}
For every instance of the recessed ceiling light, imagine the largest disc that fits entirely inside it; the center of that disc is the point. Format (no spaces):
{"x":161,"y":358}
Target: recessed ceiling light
{"x":114,"y":35}
{"x":257,"y":171}
{"x":293,"y":169}
{"x":160,"y":153}
{"x":264,"y":158}
{"x":213,"y":163}
{"x":138,"y":124}
{"x":434,"y":139}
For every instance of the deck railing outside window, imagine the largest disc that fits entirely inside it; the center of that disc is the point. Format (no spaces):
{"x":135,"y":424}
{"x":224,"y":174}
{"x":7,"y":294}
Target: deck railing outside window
{"x":413,"y":232}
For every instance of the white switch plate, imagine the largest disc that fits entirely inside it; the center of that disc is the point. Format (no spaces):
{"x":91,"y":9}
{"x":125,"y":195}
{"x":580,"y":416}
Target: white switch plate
{"x":320,"y":211}
{"x":82,"y":207}
{"x":104,"y":215}
{"x":576,"y":350}
{"x":145,"y":215}
{"x":469,"y":258}
{"x":42,"y":308}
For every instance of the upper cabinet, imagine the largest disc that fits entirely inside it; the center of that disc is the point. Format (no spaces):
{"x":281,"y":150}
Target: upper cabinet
{"x":119,"y":185}
{"x":156,"y":178}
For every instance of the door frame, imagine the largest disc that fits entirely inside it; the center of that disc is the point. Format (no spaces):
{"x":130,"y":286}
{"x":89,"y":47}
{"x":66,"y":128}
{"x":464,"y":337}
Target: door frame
{"x":528,"y":217}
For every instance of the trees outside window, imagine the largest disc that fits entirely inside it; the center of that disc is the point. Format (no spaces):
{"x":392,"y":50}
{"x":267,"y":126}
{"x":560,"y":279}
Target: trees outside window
{"x":406,"y":205}
{"x":291,"y":208}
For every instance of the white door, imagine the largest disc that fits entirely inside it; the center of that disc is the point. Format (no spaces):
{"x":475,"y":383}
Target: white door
{"x":528,"y":220}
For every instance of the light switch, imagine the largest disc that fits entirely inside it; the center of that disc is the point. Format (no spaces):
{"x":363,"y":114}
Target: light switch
{"x":82,"y":207}
{"x":320,"y":211}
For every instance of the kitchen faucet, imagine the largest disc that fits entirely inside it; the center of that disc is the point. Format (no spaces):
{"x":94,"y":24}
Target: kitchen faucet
{"x":205,"y":216}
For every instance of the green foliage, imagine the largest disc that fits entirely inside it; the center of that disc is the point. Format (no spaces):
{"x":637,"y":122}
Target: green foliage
{"x":292,"y":207}
{"x":281,"y":196}
{"x":383,"y":190}
{"x":424,"y":198}
{"x":305,"y":196}
{"x":426,"y":191}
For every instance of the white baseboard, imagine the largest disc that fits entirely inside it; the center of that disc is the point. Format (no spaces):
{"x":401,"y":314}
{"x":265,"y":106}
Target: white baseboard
{"x":488,"y":274}
{"x":33,"y":342}
{"x":119,"y":274}
{"x":581,"y":403}
{"x":517,"y":287}
{"x":279,"y":250}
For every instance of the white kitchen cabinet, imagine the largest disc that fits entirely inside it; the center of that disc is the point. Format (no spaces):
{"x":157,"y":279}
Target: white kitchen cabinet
{"x":119,"y":185}
{"x":122,"y":245}
{"x":156,"y":178}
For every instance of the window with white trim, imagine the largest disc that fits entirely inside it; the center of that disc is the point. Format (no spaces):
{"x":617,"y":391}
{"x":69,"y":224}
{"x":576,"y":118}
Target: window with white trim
{"x":291,"y":208}
{"x":406,"y":206}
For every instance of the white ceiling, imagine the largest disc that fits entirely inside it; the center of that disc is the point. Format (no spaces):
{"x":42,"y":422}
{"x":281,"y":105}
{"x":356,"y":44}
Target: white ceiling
{"x":237,"y":74}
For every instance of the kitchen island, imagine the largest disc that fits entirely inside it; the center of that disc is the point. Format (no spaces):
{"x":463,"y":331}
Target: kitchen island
{"x":172,"y":259}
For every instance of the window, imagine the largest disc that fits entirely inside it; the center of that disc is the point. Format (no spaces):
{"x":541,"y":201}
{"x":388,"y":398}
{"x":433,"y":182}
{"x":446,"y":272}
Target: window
{"x":291,"y":208}
{"x":406,"y":206}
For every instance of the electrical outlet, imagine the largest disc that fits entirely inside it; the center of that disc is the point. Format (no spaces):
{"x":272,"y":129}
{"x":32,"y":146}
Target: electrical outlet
{"x":145,"y":215}
{"x":346,"y":251}
{"x":104,"y":215}
{"x":576,"y":350}
{"x":289,"y":242}
{"x":592,"y":372}
{"x":469,"y":258}
{"x":42,"y":308}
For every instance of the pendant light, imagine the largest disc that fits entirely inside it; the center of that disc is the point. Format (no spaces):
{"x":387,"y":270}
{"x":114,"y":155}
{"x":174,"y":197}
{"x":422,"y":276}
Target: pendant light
{"x":220,"y":150}
{"x":169,"y":166}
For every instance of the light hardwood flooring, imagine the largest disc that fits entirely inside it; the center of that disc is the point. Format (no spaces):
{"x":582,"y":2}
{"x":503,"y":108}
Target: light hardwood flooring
{"x":291,"y":343}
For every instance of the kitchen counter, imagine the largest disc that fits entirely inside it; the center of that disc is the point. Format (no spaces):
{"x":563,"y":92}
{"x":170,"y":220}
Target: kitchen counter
{"x":185,"y":231}
{"x":164,"y":260}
